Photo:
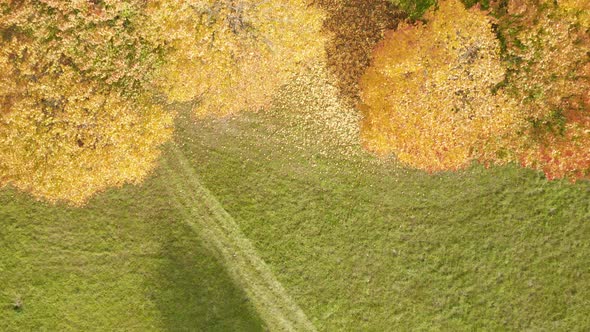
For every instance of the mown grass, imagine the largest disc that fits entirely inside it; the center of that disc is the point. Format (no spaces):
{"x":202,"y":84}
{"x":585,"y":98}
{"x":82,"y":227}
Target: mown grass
{"x":363,"y":245}
{"x":126,"y":262}
{"x":358,"y":243}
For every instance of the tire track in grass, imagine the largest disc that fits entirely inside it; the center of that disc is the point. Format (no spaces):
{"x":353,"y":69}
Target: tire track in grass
{"x":206,"y":216}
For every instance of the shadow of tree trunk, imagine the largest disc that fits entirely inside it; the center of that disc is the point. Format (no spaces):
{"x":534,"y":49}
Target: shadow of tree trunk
{"x":193,"y":291}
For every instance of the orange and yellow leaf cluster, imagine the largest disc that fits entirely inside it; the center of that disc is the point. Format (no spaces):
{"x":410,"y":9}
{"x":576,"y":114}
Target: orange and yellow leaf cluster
{"x":550,"y":80}
{"x":442,"y":94}
{"x":428,"y":98}
{"x":78,"y":109}
{"x":232,"y":55}
{"x":76,"y":114}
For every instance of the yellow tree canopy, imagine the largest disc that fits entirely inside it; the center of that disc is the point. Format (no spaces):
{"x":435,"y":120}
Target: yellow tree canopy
{"x":230,"y":55}
{"x":428,"y":95}
{"x":76,"y":114}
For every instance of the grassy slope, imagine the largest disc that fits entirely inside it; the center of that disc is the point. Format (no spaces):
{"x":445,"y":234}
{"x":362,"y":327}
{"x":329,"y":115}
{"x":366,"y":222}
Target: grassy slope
{"x":127,"y":262}
{"x":366,"y":246}
{"x":357,"y":244}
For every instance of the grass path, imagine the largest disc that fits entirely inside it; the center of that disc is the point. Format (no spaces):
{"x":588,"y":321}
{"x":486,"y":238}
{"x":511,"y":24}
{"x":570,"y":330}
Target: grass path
{"x":375,"y":247}
{"x":205,"y":214}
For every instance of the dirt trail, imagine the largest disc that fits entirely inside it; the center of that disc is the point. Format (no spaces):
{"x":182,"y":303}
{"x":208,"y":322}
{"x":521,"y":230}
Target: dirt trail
{"x":206,"y":215}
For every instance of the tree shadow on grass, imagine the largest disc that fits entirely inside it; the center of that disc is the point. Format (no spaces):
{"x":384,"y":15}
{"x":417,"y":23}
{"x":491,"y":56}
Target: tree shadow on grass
{"x":193,"y":291}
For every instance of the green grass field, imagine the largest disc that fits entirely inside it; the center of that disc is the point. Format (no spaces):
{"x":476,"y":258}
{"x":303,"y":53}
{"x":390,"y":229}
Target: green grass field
{"x":255,"y":218}
{"x":127,"y":262}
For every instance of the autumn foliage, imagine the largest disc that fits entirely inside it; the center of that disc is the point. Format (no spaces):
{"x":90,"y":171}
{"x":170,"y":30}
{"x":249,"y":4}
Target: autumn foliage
{"x":428,"y":97}
{"x":465,"y":86}
{"x":232,"y":55}
{"x":81,"y":81}
{"x":76,"y":114}
{"x":548,"y":47}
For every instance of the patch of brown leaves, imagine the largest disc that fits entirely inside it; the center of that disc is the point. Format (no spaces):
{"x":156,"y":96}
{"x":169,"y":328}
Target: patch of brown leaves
{"x":355,"y":27}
